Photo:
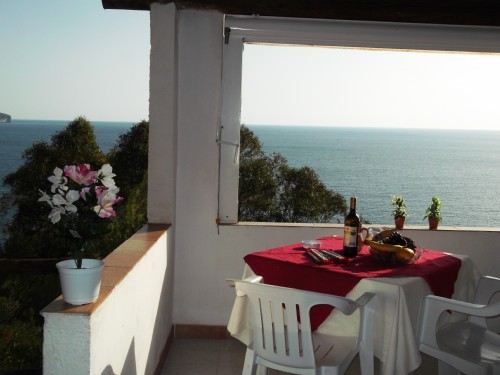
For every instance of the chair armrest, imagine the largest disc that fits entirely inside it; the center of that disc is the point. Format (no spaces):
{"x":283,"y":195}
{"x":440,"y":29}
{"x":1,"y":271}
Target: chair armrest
{"x":365,"y":298}
{"x":439,"y":304}
{"x":431,"y":308}
{"x":486,"y":288}
{"x":252,"y":279}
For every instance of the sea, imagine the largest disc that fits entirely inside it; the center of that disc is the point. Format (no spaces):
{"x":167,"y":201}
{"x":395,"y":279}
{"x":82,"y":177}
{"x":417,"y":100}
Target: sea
{"x":18,"y":135}
{"x":462,"y":167}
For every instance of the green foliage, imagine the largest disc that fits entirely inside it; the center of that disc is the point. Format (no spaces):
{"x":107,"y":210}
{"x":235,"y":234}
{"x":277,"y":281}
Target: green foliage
{"x":21,"y":336}
{"x":272,"y":191}
{"x":21,"y":345}
{"x":32,"y":235}
{"x":132,"y":215}
{"x":434,"y":210}
{"x":400,"y":209}
{"x":129,"y":158}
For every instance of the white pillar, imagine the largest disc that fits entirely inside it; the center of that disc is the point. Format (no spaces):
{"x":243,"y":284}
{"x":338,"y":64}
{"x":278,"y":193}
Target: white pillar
{"x":162,"y":114}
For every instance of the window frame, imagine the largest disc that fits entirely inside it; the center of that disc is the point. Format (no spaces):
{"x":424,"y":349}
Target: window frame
{"x":239,"y":30}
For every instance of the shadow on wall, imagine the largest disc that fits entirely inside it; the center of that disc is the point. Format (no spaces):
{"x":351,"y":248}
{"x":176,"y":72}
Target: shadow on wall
{"x":156,"y":359}
{"x":129,"y":367}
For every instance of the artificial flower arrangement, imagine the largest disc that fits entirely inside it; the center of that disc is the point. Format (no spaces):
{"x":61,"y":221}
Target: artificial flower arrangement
{"x":82,"y":200}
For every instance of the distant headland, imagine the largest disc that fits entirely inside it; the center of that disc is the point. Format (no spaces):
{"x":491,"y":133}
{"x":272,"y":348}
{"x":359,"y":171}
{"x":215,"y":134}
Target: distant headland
{"x":4,"y":117}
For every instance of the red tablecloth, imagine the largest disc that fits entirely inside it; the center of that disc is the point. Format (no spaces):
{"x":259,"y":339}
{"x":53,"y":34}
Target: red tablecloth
{"x":290,"y":267}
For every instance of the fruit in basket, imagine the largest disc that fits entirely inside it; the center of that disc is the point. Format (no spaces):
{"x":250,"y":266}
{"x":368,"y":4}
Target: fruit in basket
{"x":390,"y":241}
{"x":380,"y":246}
{"x":405,"y":255}
{"x":382,"y":234}
{"x":391,"y":246}
{"x":395,"y":238}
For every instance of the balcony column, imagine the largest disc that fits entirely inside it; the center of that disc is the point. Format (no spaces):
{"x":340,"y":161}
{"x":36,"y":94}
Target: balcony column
{"x":162,"y":114}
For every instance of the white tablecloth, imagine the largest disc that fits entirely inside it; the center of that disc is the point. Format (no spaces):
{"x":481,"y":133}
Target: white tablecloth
{"x":396,"y":319}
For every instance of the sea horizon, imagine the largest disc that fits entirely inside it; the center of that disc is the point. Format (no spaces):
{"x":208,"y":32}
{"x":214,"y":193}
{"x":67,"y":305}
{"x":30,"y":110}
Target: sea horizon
{"x":457,"y":165}
{"x":25,"y":120}
{"x":369,"y":127}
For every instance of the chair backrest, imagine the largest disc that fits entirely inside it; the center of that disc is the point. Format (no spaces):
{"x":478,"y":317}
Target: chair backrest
{"x":487,"y":287}
{"x":463,"y":345}
{"x":281,"y":323}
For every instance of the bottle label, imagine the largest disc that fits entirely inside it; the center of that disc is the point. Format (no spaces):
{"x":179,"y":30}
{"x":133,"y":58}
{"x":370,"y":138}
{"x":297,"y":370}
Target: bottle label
{"x":350,"y":236}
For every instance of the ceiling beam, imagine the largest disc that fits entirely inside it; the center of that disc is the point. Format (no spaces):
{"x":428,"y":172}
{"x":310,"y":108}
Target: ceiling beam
{"x":458,"y":12}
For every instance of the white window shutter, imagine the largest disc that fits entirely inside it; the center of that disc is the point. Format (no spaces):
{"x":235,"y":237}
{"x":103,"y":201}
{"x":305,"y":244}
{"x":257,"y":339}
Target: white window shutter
{"x":229,"y":131}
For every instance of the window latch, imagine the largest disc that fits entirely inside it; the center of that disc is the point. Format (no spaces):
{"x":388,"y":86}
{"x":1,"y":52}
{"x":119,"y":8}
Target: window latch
{"x":227,"y":31}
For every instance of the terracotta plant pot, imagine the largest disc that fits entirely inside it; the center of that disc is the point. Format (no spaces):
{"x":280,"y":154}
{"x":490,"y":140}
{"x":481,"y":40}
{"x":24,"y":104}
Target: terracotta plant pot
{"x":399,"y":222}
{"x":433,"y":224}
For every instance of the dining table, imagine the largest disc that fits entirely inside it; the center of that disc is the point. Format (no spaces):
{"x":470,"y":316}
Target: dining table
{"x":398,"y":287}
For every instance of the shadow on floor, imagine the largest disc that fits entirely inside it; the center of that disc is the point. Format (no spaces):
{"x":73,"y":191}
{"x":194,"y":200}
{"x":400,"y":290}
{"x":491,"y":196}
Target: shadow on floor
{"x":225,"y":357}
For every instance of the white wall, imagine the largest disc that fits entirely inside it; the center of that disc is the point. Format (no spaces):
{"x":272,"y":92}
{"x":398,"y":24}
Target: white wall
{"x":197,"y":257}
{"x":162,"y":115}
{"x":128,"y":330}
{"x":206,"y":254}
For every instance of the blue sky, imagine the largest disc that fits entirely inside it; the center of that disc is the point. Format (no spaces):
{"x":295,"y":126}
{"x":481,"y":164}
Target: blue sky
{"x":64,"y":58}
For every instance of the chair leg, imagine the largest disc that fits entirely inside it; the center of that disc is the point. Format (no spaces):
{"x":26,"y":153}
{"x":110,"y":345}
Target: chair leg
{"x":249,"y":367}
{"x":446,"y":369}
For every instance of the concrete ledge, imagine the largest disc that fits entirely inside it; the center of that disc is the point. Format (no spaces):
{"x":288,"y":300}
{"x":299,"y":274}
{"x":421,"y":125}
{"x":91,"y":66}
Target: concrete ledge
{"x":128,"y":329}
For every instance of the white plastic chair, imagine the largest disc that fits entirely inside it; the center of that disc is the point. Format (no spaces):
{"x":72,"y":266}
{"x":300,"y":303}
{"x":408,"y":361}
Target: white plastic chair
{"x":282,"y":337}
{"x":466,"y":346}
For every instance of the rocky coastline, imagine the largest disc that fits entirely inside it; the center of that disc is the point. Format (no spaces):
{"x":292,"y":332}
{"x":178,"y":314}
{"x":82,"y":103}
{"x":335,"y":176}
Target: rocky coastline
{"x":4,"y":117}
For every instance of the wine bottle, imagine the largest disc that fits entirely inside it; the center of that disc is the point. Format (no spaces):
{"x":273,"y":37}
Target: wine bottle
{"x":351,"y":229}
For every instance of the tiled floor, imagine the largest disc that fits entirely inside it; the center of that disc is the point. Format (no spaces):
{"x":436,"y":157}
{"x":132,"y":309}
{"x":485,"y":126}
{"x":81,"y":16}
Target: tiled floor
{"x":225,"y":357}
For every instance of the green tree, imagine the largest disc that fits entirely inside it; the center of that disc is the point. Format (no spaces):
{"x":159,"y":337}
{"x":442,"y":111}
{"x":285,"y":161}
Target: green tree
{"x":271,"y":190}
{"x":129,"y":159}
{"x":32,"y":235}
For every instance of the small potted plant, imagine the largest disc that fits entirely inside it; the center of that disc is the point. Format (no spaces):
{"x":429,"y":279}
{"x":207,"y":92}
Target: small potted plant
{"x":433,"y":213}
{"x":400,"y":211}
{"x":81,"y":206}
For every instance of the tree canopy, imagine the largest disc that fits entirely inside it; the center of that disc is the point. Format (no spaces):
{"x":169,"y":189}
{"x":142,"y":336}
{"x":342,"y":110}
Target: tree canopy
{"x":31,"y":235}
{"x":272,"y":191}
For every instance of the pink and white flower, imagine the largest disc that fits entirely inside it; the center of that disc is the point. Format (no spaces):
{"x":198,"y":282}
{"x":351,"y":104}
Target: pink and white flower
{"x":58,"y":180}
{"x":80,"y":198}
{"x":81,"y":174}
{"x":93,"y":193}
{"x":45,"y":198}
{"x":55,"y":214}
{"x":106,"y":198}
{"x":66,"y":201}
{"x":106,"y":176}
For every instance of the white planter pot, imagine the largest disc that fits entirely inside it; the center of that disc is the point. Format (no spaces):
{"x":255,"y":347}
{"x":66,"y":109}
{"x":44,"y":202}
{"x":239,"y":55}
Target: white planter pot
{"x":80,"y":286}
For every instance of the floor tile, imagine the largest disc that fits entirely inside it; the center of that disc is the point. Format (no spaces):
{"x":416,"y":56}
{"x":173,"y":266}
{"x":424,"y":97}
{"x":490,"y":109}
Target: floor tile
{"x":225,"y":357}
